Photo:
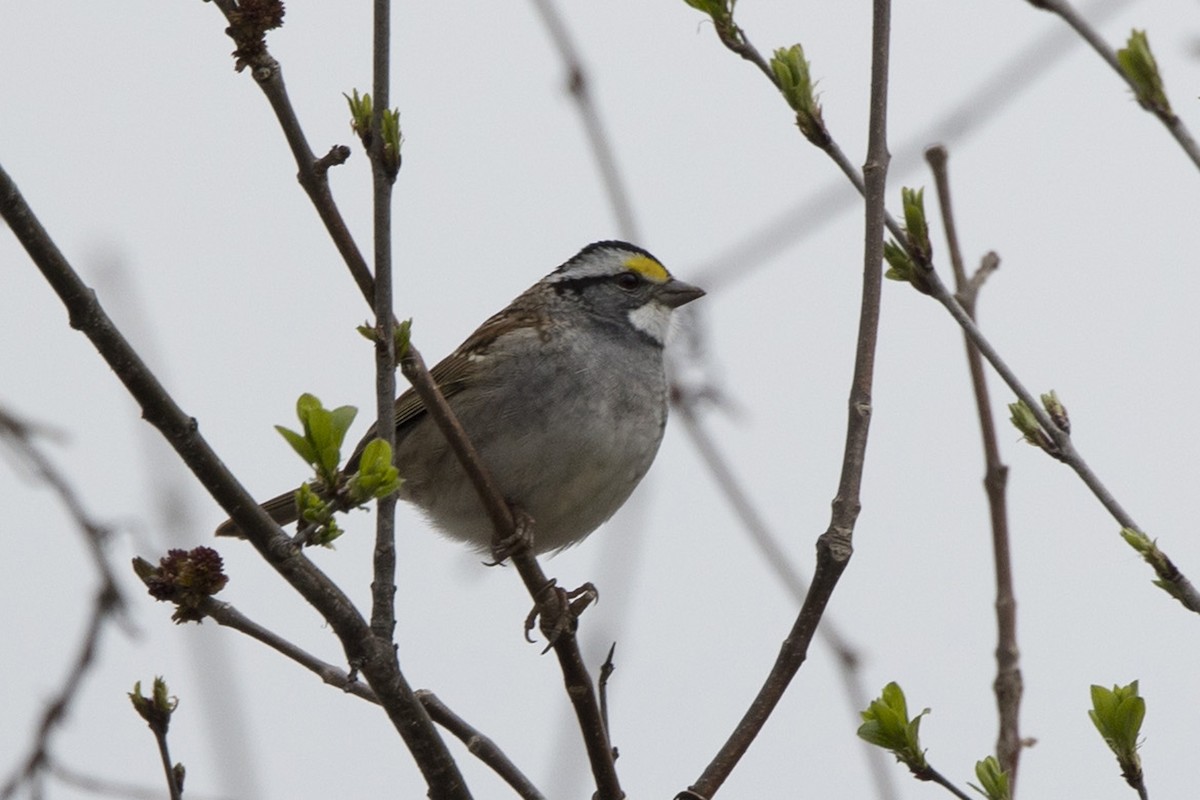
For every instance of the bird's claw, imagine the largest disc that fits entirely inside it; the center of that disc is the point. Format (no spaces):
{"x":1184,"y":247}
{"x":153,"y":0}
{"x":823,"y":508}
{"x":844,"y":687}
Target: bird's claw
{"x":557,"y":611}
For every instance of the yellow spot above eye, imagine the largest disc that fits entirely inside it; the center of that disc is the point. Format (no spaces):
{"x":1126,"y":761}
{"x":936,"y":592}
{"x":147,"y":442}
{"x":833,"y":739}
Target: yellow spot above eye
{"x":648,"y":268}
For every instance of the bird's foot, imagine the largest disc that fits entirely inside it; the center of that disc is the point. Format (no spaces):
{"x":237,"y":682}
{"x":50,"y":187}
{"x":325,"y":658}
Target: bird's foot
{"x":557,"y":610}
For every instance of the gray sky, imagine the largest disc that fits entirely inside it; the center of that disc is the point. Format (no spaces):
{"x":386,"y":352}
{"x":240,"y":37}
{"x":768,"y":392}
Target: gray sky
{"x":138,"y":146}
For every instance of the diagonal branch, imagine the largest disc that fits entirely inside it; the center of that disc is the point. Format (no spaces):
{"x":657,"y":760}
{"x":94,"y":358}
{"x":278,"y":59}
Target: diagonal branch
{"x":545,"y":594}
{"x":477,"y":743}
{"x":773,"y":555}
{"x":1169,"y":119}
{"x":834,"y":547}
{"x":373,"y":656}
{"x":1170,"y":578}
{"x":313,"y":172}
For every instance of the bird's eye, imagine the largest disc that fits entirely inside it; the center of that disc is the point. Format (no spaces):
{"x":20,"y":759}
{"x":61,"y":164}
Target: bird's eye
{"x":628,"y":281}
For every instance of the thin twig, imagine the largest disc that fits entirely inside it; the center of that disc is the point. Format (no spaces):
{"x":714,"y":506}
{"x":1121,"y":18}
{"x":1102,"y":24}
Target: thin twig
{"x":173,"y":777}
{"x":374,"y":657}
{"x":551,"y":606}
{"x":107,"y":605}
{"x":781,"y":564}
{"x":932,"y":775}
{"x":56,"y":709}
{"x":1180,"y":587}
{"x":1072,"y":17}
{"x":606,"y":671}
{"x":313,"y":172}
{"x":18,"y":435}
{"x":1064,"y":448}
{"x":479,"y":745}
{"x":834,"y":547}
{"x":975,"y":108}
{"x":1008,"y":684}
{"x":383,"y":587}
{"x":225,"y":614}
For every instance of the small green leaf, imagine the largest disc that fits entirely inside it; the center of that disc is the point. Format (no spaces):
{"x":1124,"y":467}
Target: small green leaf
{"x":377,"y":476}
{"x":902,"y":268}
{"x":1057,"y":411}
{"x":341,"y":418}
{"x":994,"y":780}
{"x":717,"y":9}
{"x":314,"y":509}
{"x":392,"y":140}
{"x":1141,"y":69}
{"x":886,"y":724}
{"x":360,"y":113}
{"x":403,"y":333}
{"x":299,"y":444}
{"x":1118,"y":714}
{"x":1023,"y":419}
{"x":157,"y":708}
{"x":794,"y":76}
{"x":913,"y":202}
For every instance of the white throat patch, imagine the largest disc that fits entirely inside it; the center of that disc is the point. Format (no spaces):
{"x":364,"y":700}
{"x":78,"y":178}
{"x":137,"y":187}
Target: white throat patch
{"x":653,"y":319}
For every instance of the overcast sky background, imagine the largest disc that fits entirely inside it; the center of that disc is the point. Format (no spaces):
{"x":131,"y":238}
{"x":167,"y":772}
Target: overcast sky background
{"x":163,"y":176}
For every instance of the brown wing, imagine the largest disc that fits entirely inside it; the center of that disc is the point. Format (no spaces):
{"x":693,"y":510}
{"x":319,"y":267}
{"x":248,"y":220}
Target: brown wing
{"x":454,"y":371}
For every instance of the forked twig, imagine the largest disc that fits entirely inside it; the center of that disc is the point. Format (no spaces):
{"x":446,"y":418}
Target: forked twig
{"x":180,"y":430}
{"x":1008,"y":685}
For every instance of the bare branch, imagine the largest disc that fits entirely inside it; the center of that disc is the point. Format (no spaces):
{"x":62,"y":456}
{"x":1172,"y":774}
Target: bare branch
{"x":1168,"y":118}
{"x":834,"y":547}
{"x":56,"y":709}
{"x":778,"y":561}
{"x":383,"y":587}
{"x":376,"y":658}
{"x":313,"y":174}
{"x":1008,"y":685}
{"x":479,"y":745}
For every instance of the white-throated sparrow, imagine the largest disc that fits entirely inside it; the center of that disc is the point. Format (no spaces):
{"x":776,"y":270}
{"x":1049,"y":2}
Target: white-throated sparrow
{"x":563,"y":394}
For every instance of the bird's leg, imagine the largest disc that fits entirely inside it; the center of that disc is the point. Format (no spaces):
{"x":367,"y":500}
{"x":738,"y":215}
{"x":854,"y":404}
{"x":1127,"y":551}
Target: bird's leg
{"x":521,"y":539}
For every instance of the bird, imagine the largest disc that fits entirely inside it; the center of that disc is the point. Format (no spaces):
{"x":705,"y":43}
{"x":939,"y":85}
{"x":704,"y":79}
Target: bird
{"x":563,"y":394}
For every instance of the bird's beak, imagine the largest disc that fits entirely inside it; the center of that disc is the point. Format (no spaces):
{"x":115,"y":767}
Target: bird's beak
{"x":675,"y":293}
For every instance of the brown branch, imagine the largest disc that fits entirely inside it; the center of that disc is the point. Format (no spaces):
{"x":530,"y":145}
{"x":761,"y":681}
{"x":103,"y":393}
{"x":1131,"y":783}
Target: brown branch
{"x":313,"y":172}
{"x":780,"y":563}
{"x":834,"y":547}
{"x":1170,"y":578}
{"x":376,"y":658}
{"x":551,"y":605}
{"x":1008,"y":685}
{"x":1089,"y":34}
{"x":975,"y":109}
{"x":478,"y":744}
{"x":383,"y":587}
